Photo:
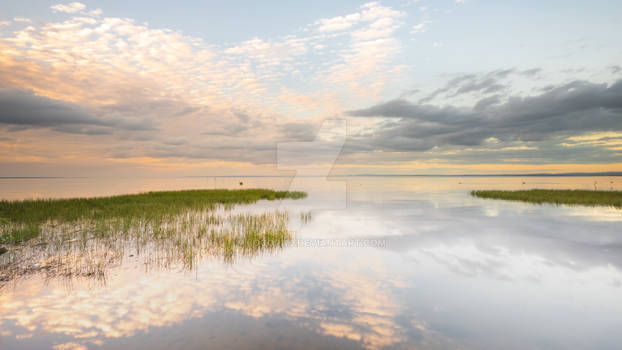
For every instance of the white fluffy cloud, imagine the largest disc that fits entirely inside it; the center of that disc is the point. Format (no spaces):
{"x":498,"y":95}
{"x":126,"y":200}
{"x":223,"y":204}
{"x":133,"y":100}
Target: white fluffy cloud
{"x":338,"y":23}
{"x":68,"y":8}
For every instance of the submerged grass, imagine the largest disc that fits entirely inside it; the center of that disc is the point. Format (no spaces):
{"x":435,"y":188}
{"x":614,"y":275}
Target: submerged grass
{"x":305,"y":217}
{"x":84,"y":237}
{"x":570,"y":197}
{"x":21,"y":220}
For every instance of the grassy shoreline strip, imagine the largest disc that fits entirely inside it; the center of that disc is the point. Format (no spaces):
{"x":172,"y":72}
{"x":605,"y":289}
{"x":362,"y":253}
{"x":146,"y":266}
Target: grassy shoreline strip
{"x":22,"y":220}
{"x":569,"y":197}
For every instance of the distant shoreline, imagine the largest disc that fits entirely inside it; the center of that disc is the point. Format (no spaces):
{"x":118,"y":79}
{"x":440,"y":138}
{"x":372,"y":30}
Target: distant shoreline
{"x":607,"y":174}
{"x":43,"y":177}
{"x":599,"y":174}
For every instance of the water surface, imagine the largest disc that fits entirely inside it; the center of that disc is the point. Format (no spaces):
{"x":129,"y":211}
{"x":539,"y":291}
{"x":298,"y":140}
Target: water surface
{"x":384,"y":262}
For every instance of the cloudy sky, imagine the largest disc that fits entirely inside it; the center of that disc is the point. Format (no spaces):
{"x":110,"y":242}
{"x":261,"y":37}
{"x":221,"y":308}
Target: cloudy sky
{"x":215,"y":88}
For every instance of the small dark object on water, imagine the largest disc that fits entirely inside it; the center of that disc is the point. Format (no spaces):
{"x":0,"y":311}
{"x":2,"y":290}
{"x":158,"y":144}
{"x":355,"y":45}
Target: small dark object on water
{"x":3,"y":250}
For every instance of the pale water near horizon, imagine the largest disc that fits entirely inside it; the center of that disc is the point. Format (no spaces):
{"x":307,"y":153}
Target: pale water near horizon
{"x":425,"y":265}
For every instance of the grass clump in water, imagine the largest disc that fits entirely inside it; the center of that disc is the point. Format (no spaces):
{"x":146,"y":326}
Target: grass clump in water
{"x":85,"y":237}
{"x":20,"y":221}
{"x":305,"y":217}
{"x":569,"y":197}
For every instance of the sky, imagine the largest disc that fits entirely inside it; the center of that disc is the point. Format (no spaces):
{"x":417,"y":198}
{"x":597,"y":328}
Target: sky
{"x":200,"y":88}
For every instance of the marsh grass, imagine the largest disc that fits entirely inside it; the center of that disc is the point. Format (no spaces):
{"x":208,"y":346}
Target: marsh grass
{"x":305,"y":217}
{"x":85,"y":237}
{"x":568,"y":197}
{"x":21,"y":220}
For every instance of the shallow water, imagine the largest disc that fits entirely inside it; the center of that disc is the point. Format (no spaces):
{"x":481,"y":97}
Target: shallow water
{"x":385,"y":262}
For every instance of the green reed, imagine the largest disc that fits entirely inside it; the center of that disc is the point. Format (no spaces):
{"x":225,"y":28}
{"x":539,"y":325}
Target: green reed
{"x":569,"y":197}
{"x":85,"y":237}
{"x":21,"y":220}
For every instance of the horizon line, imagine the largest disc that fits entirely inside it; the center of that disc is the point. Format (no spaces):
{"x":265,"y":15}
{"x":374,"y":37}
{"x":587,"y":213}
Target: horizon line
{"x":571,"y":174}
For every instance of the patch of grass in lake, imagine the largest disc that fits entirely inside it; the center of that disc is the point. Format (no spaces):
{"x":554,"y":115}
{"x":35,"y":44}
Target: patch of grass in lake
{"x":21,"y":219}
{"x":570,"y":197}
{"x":85,"y":237}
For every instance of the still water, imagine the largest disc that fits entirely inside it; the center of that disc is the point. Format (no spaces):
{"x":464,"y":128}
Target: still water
{"x":384,"y":262}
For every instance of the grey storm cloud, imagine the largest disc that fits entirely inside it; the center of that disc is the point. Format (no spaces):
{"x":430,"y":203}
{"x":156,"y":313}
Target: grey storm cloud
{"x":300,"y":131}
{"x":22,"y":109}
{"x":232,"y":122}
{"x":486,"y":102}
{"x":531,"y":72}
{"x":257,"y":152}
{"x":487,"y":86}
{"x":469,"y":83}
{"x":485,"y":83}
{"x":570,"y":109}
{"x":244,"y":117}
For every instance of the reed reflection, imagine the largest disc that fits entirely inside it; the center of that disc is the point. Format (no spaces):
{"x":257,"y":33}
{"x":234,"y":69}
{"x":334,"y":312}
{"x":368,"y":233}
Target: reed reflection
{"x":87,"y":249}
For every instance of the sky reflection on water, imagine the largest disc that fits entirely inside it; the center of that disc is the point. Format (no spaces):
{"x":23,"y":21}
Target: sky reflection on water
{"x":456,"y":272}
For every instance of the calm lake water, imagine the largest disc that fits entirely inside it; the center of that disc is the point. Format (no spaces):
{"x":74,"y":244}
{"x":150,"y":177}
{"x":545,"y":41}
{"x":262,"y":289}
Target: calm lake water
{"x":384,"y":262}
